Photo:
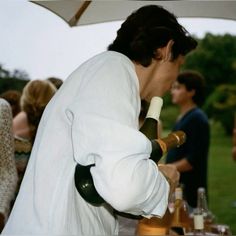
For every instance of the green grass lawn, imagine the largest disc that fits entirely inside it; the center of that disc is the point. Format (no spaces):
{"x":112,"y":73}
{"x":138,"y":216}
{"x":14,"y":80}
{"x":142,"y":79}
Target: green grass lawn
{"x":222,"y":178}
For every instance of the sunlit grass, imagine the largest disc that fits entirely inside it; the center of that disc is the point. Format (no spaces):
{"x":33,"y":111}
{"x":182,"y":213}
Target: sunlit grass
{"x":222,"y":178}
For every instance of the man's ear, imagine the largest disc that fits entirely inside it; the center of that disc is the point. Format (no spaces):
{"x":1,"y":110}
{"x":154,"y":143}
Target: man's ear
{"x":168,"y":51}
{"x":165,"y":53}
{"x":192,"y":92}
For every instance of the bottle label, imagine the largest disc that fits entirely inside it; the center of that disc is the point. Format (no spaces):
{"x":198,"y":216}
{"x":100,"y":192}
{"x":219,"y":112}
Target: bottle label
{"x":178,"y":193}
{"x":154,"y":109}
{"x":198,"y":221}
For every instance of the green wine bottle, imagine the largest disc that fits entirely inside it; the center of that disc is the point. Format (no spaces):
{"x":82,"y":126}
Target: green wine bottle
{"x":150,"y":125}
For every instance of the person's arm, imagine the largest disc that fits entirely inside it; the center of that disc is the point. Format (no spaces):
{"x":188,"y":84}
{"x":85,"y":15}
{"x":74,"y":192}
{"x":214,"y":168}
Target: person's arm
{"x":183,"y":165}
{"x":21,"y":126}
{"x":197,"y":143}
{"x":105,"y":132}
{"x":171,"y":174}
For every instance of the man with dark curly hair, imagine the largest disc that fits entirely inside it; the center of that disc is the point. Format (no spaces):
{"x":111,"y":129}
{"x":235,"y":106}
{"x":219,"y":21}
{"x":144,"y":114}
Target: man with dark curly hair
{"x":93,"y":119}
{"x":188,"y":92}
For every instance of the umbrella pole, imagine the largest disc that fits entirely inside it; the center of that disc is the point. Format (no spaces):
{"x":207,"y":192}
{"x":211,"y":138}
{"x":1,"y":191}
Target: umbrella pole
{"x":73,"y":21}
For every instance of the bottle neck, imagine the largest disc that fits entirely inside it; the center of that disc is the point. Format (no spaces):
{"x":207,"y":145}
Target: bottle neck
{"x":162,"y":145}
{"x":202,"y":201}
{"x":150,"y":125}
{"x":154,"y":109}
{"x":174,"y":139}
{"x":178,"y":194}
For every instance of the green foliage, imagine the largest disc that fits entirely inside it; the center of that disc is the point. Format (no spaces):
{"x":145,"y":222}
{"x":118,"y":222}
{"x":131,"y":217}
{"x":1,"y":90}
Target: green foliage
{"x":168,"y":117}
{"x":215,"y":59}
{"x":12,"y":84}
{"x":221,"y":106}
{"x":15,"y":80}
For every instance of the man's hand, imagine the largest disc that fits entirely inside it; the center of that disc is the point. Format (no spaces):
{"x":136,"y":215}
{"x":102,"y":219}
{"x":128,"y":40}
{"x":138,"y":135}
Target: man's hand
{"x":171,"y":174}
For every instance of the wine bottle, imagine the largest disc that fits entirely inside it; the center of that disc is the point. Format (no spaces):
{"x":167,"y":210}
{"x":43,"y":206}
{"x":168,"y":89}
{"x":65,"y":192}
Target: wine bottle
{"x":202,"y":206}
{"x":198,"y":224}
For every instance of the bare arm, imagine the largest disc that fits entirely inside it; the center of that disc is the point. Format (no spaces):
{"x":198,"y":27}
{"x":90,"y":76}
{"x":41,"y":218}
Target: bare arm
{"x":21,"y":126}
{"x":183,"y":165}
{"x":171,"y":174}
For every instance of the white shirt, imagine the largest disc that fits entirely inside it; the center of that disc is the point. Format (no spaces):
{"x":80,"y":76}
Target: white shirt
{"x":93,"y":118}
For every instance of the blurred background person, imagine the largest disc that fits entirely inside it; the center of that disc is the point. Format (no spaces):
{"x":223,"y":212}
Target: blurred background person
{"x":191,"y":159}
{"x":13,"y":98}
{"x":35,"y":97}
{"x":8,"y":174}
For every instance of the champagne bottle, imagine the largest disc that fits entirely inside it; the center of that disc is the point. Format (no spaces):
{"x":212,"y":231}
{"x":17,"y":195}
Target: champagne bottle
{"x":155,"y":225}
{"x":85,"y":186}
{"x":150,"y":125}
{"x":181,"y":217}
{"x":150,"y":129}
{"x":162,"y":145}
{"x":83,"y":178}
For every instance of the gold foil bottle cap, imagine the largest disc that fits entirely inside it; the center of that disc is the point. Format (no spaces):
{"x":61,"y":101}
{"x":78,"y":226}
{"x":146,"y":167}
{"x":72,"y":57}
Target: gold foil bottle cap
{"x":154,"y":109}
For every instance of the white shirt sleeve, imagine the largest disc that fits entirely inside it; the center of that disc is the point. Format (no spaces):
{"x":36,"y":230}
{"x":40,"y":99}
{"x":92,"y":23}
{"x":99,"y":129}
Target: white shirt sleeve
{"x":105,"y":132}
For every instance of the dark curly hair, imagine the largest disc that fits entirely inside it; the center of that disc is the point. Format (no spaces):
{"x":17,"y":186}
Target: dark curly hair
{"x":150,"y":28}
{"x":193,"y":80}
{"x":13,"y":97}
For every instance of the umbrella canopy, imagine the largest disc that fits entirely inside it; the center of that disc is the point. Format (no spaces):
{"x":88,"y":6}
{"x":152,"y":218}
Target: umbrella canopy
{"x":90,"y":12}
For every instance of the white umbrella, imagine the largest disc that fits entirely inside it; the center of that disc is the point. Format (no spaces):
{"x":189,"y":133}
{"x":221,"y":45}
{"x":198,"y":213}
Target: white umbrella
{"x":90,"y":12}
